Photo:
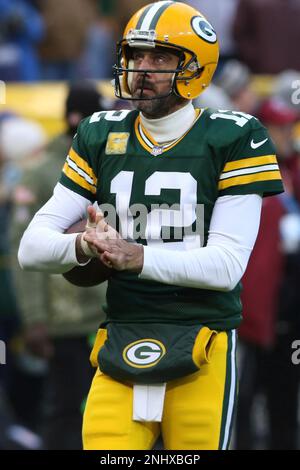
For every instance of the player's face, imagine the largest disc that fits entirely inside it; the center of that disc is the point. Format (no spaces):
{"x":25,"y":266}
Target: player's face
{"x":152,"y":84}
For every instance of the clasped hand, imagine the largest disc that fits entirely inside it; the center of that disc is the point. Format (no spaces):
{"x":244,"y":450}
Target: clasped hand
{"x":107,"y":244}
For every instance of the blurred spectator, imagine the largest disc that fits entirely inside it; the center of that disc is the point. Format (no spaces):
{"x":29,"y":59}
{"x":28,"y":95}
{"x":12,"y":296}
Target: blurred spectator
{"x":221,"y":14}
{"x":17,"y":408}
{"x":66,"y":23}
{"x":8,"y":302}
{"x":107,"y":28}
{"x":213,"y":97}
{"x":271,"y":303}
{"x":124,"y":10}
{"x":280,"y":120}
{"x":235,"y":79}
{"x":21,"y":29}
{"x":21,"y":141}
{"x":265,"y":32}
{"x":59,"y":317}
{"x":287,"y":89}
{"x":99,"y":52}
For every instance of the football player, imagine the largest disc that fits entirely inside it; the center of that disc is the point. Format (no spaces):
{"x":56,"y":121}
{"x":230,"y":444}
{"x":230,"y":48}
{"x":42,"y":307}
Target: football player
{"x":186,"y":185}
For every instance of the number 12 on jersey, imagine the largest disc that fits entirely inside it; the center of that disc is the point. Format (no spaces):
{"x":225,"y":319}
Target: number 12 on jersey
{"x":185,"y":220}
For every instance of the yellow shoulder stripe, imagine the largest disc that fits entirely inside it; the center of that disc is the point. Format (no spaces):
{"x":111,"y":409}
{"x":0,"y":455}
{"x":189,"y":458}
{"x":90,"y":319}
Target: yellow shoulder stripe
{"x":247,"y":179}
{"x":81,"y":163}
{"x":78,"y":179}
{"x":249,"y":162}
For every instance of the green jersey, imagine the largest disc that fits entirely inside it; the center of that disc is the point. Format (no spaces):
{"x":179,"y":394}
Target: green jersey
{"x":113,"y":160}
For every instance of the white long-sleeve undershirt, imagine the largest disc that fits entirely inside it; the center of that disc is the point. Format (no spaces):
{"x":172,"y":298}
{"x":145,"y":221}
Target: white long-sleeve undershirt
{"x":44,"y":246}
{"x":219,"y":265}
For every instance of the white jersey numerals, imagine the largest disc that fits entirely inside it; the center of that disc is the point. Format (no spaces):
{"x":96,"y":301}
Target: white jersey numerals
{"x":238,"y":117}
{"x":109,"y":115}
{"x":180,"y":216}
{"x":183,"y":216}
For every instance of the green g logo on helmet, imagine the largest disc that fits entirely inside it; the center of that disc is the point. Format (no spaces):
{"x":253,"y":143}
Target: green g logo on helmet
{"x":144,"y":353}
{"x":204,"y":29}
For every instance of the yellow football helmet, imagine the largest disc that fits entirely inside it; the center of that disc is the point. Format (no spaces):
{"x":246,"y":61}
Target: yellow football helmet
{"x":183,"y":30}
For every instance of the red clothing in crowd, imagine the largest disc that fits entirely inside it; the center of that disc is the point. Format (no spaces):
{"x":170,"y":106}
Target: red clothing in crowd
{"x":262,"y":279}
{"x":266,"y":33}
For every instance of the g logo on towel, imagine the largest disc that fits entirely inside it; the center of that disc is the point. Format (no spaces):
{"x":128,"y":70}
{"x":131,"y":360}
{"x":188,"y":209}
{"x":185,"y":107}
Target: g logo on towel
{"x":144,"y":353}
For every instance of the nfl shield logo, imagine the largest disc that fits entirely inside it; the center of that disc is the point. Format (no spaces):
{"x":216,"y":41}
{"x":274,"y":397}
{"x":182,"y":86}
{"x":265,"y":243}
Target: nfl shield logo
{"x":157,"y":151}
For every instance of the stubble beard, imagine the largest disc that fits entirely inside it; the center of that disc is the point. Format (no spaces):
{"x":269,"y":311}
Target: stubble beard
{"x":159,"y":107}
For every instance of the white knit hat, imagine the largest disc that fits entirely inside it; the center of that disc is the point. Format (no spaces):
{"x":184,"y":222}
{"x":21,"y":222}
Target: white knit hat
{"x":20,"y":138}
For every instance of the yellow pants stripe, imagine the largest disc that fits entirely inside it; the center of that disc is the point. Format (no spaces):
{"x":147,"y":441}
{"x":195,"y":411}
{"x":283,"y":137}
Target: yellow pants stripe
{"x":230,"y":392}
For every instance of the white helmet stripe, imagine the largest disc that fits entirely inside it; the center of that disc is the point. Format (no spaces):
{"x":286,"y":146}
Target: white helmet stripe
{"x":152,"y":13}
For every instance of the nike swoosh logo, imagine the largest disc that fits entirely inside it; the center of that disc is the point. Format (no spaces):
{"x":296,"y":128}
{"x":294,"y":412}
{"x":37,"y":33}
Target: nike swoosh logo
{"x":255,"y":145}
